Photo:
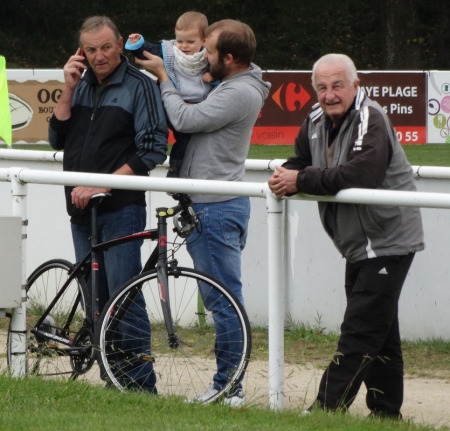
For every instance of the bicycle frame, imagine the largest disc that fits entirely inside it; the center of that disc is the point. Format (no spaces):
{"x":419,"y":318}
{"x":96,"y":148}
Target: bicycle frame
{"x":136,"y":341}
{"x":158,"y":259}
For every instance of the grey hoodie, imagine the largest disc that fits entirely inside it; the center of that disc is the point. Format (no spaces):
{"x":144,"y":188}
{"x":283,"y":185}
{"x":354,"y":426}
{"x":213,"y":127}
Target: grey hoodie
{"x":221,"y":127}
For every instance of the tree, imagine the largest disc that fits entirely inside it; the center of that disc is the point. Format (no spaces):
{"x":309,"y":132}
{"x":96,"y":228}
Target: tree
{"x":399,"y":28}
{"x":291,"y":34}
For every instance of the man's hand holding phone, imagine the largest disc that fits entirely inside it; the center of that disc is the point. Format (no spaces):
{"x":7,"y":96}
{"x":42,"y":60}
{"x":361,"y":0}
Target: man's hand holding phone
{"x":74,"y":68}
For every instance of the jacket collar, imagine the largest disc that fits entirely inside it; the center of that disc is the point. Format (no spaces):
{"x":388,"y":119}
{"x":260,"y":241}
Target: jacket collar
{"x":359,"y":99}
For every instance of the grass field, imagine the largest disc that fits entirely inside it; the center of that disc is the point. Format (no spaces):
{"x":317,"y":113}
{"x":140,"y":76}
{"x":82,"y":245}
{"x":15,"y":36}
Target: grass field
{"x":33,"y":404}
{"x":422,"y":155}
{"x":49,"y":405}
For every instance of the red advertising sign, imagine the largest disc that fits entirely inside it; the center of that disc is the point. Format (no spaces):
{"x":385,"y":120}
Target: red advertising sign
{"x":290,"y":99}
{"x":401,"y":94}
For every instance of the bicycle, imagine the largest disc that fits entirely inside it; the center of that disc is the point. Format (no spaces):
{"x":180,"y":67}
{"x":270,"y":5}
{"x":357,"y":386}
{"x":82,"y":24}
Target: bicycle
{"x":176,"y":338}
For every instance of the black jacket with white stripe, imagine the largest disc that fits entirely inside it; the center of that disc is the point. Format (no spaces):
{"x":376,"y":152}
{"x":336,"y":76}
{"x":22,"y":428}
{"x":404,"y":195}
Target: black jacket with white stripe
{"x":367,"y":155}
{"x":126,"y":124}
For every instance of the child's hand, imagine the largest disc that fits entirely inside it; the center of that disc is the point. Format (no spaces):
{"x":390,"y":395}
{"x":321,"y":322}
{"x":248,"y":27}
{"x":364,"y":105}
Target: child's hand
{"x":134,"y":37}
{"x":206,"y":77}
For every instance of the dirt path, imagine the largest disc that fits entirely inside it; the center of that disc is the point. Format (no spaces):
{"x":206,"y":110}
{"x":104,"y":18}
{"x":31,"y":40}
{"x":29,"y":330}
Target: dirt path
{"x":427,"y":401}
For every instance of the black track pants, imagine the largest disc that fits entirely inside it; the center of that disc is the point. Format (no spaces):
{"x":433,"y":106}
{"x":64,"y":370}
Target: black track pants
{"x":369,"y":348}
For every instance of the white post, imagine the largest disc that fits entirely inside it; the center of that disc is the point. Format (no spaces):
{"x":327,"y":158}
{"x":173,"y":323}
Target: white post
{"x":275,"y":209}
{"x":18,"y":336}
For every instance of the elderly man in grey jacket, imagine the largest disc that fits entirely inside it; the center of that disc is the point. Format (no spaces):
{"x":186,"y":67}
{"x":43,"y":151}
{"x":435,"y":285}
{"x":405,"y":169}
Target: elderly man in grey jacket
{"x":221,"y":128}
{"x":348,"y":141}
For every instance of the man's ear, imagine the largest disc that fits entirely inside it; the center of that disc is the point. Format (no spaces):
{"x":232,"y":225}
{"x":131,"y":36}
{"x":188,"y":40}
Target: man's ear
{"x":120,"y":43}
{"x":228,"y":59}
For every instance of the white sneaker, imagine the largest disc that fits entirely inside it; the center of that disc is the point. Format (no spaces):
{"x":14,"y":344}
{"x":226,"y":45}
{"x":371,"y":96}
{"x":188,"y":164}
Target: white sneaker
{"x":235,"y":399}
{"x":209,"y":393}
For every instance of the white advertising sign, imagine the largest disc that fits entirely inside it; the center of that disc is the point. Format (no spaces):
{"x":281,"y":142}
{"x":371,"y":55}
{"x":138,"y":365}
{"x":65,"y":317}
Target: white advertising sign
{"x":438,"y":118}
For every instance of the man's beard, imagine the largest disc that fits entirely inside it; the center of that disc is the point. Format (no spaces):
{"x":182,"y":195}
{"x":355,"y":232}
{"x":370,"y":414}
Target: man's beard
{"x":219,"y":71}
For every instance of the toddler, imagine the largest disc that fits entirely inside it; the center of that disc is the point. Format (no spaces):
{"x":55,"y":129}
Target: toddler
{"x":186,"y":67}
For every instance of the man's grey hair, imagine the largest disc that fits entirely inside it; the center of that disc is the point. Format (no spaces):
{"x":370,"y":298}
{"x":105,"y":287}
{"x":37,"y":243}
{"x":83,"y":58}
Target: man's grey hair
{"x":96,"y":23}
{"x":352,"y":74}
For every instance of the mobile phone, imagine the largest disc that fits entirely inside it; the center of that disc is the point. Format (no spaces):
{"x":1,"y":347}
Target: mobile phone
{"x":81,"y":52}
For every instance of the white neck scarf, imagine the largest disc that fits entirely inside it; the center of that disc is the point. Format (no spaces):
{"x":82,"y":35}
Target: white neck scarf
{"x":190,"y":64}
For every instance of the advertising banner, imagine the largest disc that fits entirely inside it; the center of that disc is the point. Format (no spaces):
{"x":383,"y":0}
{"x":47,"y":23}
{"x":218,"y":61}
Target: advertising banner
{"x":401,"y":94}
{"x":34,"y":95}
{"x":438,"y":119}
{"x":403,"y":97}
{"x":290,"y":99}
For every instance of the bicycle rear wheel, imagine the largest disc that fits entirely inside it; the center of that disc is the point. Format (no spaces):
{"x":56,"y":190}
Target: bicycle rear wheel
{"x":136,"y":349}
{"x":47,"y":357}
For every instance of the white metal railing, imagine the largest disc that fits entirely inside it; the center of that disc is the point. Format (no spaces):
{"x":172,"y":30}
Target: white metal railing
{"x":437,"y":172}
{"x":49,"y":156}
{"x":57,"y":156}
{"x":19,"y":177}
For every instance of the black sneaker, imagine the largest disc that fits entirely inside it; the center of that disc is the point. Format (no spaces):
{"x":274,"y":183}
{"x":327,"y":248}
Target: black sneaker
{"x":383,"y":414}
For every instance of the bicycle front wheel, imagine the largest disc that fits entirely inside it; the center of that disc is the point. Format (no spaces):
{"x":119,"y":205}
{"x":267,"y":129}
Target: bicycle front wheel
{"x":47,"y":357}
{"x":211,"y":339}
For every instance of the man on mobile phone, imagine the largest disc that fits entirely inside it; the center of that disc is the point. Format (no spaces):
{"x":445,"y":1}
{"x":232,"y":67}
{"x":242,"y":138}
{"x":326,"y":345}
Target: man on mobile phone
{"x":109,"y":120}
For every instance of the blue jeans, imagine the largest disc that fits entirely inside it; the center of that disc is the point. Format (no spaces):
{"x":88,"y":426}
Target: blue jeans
{"x":217,"y":251}
{"x":116,"y":266}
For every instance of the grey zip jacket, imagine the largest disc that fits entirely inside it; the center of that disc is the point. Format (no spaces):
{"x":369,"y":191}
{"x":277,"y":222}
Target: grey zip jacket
{"x":367,"y":155}
{"x":221,"y":127}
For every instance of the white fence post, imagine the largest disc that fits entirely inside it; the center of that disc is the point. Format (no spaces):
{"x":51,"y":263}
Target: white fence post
{"x":18,"y":335}
{"x":275,"y":209}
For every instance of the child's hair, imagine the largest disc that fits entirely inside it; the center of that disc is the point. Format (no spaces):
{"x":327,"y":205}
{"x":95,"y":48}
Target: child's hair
{"x":190,"y":20}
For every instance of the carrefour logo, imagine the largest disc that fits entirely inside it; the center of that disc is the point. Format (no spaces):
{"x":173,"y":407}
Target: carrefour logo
{"x":291,"y":97}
